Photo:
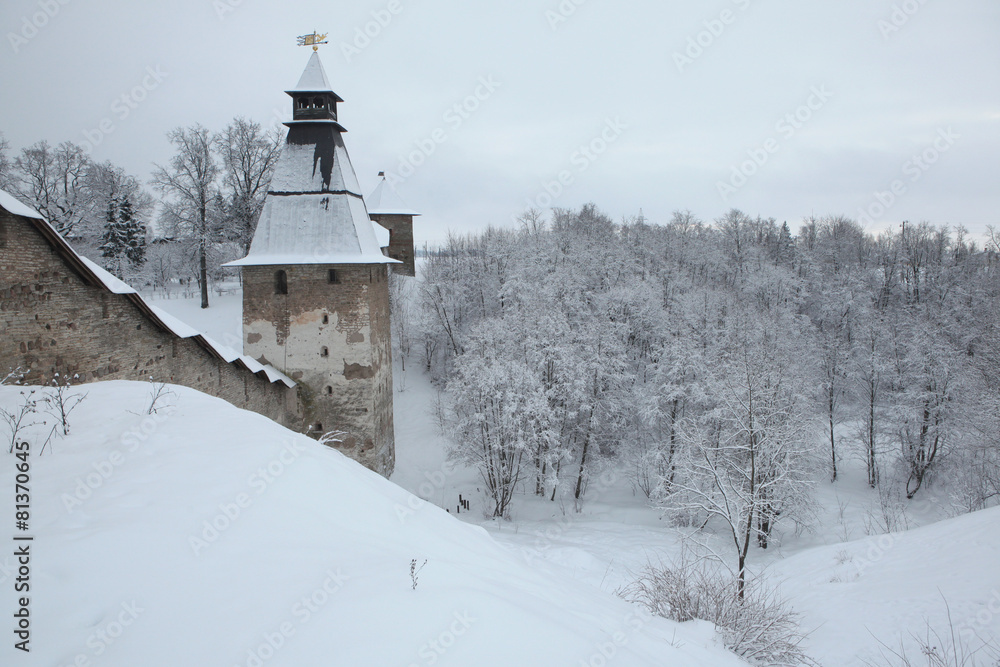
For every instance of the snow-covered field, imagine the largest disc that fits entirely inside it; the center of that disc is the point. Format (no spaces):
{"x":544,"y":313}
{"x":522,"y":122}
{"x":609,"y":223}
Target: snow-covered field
{"x":211,"y":536}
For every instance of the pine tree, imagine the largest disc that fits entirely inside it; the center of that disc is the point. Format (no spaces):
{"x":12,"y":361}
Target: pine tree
{"x":124,"y":239}
{"x":135,"y":234}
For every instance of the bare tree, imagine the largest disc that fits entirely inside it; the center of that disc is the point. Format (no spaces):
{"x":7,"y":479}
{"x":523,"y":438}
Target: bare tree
{"x":107,"y":181}
{"x":191,"y":186}
{"x":5,"y":164}
{"x":53,"y":180}
{"x":249,"y":155}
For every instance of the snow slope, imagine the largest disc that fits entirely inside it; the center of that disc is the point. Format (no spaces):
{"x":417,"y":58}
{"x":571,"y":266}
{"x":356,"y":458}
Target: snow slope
{"x":888,"y":588}
{"x":207,"y":535}
{"x":852,"y":593}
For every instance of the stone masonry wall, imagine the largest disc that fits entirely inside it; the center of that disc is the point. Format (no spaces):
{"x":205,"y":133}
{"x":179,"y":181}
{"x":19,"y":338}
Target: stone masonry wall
{"x":51,"y":321}
{"x":400,"y":241}
{"x":333,"y":339}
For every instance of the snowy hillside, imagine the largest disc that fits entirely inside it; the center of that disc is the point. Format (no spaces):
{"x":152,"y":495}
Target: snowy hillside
{"x":853,"y":596}
{"x":850,"y":594}
{"x":212,"y":536}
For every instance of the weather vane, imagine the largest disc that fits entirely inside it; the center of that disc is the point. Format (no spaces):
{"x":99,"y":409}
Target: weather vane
{"x":313,"y":40}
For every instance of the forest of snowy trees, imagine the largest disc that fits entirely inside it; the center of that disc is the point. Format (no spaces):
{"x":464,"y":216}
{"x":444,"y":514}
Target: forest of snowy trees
{"x":210,"y":195}
{"x":729,"y":367}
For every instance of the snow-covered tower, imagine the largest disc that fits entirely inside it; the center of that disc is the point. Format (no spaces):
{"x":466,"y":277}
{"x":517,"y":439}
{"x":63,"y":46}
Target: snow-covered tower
{"x":315,"y":282}
{"x":388,"y":210}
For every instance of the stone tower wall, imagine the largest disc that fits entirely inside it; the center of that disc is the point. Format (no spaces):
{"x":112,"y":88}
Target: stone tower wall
{"x":333,"y":339}
{"x":400,"y":241}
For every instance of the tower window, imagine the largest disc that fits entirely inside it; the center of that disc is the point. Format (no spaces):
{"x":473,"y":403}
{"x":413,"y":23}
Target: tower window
{"x":303,"y":103}
{"x":318,"y":102}
{"x":333,"y":277}
{"x":324,"y":352}
{"x":318,"y":427}
{"x":329,"y":391}
{"x":280,"y":282}
{"x":326,"y":319}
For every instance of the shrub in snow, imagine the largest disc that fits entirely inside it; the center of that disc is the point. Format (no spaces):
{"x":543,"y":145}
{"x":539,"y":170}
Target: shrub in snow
{"x":760,"y":627}
{"x":60,"y":402}
{"x":953,"y":647}
{"x":414,"y":571}
{"x":20,"y":417}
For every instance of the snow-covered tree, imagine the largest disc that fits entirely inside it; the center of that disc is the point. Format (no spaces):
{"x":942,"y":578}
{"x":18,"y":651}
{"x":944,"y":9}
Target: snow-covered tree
{"x":499,"y":414}
{"x":190,"y":186}
{"x":124,"y":241}
{"x":748,"y":462}
{"x":5,"y":163}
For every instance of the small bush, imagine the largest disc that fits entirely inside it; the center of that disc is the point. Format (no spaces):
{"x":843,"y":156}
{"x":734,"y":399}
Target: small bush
{"x":760,"y":627}
{"x":937,"y":648}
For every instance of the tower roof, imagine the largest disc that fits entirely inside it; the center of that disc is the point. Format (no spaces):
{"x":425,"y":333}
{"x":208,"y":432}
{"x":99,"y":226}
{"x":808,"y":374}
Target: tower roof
{"x":385,"y":201}
{"x":313,"y":79}
{"x":314,"y":212}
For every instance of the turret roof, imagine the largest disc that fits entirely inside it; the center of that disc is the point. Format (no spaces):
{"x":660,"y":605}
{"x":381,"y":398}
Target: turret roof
{"x":385,"y":201}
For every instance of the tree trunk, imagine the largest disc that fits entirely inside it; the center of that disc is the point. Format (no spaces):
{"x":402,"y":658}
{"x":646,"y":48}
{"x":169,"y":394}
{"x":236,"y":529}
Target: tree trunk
{"x":833,"y":442}
{"x":203,"y":274}
{"x":583,"y":464}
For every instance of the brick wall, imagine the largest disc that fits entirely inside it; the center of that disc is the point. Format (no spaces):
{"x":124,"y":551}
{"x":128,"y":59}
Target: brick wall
{"x":52,"y":321}
{"x":334,"y":339}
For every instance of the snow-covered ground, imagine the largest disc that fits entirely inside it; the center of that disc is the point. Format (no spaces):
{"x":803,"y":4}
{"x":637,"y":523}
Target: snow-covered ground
{"x":212,"y":536}
{"x":852,"y":590}
{"x":317,"y":561}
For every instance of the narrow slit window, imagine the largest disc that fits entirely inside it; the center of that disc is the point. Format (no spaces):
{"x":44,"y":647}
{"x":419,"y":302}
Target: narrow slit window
{"x":281,"y":282}
{"x":326,"y":319}
{"x":334,"y":277}
{"x":329,"y":391}
{"x":324,"y":352}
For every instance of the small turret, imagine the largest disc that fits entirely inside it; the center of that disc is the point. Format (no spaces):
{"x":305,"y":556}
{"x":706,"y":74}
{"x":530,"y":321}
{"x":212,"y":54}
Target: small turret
{"x":387,"y":209}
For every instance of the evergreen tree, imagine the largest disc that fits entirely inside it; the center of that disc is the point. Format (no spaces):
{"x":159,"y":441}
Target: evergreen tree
{"x":135,"y":234}
{"x":124,"y":240}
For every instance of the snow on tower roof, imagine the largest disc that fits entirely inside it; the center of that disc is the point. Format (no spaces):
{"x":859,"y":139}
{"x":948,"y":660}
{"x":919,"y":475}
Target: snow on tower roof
{"x":384,"y":201}
{"x":315,"y":228}
{"x":307,"y":168}
{"x":313,"y":79}
{"x":314,"y":212}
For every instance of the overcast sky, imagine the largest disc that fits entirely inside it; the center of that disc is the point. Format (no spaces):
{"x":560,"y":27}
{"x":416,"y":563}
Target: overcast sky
{"x":779,"y":108}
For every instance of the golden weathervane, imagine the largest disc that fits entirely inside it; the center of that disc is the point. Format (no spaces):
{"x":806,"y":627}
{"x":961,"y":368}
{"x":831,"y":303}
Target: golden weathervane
{"x":313,"y":40}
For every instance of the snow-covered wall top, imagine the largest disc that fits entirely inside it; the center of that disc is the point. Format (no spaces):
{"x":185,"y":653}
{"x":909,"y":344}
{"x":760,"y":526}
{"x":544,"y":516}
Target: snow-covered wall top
{"x":95,"y":275}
